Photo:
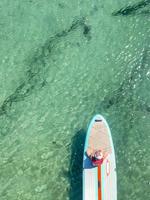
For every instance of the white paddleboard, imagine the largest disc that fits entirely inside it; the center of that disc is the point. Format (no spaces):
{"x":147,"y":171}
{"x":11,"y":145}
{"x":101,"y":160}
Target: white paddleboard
{"x":99,"y":182}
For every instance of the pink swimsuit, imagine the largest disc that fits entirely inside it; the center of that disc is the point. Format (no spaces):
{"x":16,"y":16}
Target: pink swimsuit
{"x":96,"y":161}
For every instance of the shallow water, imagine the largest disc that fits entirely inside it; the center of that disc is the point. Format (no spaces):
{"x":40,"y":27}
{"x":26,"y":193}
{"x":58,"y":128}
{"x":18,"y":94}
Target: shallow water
{"x":61,"y":63}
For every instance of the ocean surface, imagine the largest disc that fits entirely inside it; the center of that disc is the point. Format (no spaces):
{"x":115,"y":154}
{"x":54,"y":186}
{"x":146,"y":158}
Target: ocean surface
{"x":61,"y":62}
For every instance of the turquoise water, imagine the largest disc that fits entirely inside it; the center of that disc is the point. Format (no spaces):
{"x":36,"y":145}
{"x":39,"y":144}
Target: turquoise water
{"x":61,"y":63}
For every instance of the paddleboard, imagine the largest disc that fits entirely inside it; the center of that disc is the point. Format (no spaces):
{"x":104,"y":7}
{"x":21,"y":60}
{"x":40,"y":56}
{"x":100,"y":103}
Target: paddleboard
{"x":99,"y":182}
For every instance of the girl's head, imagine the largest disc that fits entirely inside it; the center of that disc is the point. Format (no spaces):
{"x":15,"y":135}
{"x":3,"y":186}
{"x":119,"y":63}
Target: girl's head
{"x":99,"y":155}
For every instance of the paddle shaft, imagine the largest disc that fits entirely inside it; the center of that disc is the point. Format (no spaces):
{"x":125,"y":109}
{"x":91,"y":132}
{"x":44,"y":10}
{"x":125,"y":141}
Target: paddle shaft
{"x":99,"y":183}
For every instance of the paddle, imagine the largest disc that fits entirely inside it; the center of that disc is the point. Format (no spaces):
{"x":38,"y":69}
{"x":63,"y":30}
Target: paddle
{"x":99,"y":182}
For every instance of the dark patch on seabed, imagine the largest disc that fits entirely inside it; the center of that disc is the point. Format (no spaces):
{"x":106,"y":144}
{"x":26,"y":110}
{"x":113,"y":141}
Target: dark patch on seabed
{"x":75,"y":173}
{"x":129,"y":10}
{"x":34,"y":80}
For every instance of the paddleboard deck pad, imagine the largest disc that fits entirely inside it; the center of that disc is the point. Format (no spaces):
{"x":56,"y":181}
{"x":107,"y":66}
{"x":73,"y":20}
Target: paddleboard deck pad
{"x":99,"y":182}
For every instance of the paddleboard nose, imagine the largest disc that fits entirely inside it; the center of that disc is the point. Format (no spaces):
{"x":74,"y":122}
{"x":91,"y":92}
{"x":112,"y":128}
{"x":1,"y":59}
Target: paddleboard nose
{"x":98,"y":118}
